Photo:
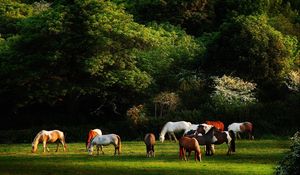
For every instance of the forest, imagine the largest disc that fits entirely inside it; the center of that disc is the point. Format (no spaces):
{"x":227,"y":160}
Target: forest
{"x":129,"y":66}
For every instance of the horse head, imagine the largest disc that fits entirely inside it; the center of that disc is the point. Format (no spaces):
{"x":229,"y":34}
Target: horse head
{"x":161,"y":138}
{"x":203,"y":128}
{"x":34,"y":148}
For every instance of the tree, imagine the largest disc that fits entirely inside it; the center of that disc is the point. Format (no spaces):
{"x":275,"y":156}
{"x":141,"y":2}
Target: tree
{"x":250,"y":48}
{"x":72,"y":50}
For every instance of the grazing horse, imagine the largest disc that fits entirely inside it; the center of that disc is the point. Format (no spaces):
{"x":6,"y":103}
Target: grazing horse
{"x":103,"y":140}
{"x":173,"y":127}
{"x":48,"y":136}
{"x":187,"y":144}
{"x":91,"y":135}
{"x":245,"y":127}
{"x":150,"y":142}
{"x":218,"y":124}
{"x":221,"y":137}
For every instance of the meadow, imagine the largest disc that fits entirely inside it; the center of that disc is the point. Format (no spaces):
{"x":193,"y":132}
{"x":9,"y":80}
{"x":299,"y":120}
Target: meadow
{"x":251,"y":157}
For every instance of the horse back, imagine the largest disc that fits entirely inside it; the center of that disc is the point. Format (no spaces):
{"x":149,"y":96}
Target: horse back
{"x":218,"y":124}
{"x":149,"y":139}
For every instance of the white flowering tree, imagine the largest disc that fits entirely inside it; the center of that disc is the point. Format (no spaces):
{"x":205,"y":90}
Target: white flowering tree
{"x":293,"y":80}
{"x":233,"y":92}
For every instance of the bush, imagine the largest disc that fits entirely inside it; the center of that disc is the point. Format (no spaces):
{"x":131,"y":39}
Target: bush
{"x":291,"y":163}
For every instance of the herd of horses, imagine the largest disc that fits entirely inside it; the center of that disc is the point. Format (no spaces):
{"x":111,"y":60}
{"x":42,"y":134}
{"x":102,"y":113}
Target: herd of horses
{"x":206,"y":134}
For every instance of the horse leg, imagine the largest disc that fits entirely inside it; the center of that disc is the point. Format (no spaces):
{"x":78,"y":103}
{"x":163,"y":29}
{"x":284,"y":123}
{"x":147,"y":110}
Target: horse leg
{"x":174,"y":136}
{"x":98,"y":149}
{"x":57,"y":147}
{"x":45,"y":146}
{"x":101,"y":148}
{"x":238,"y":135}
{"x":200,"y":156}
{"x":170,"y":137}
{"x":212,"y":149}
{"x":184,"y":152}
{"x":189,"y":154}
{"x":153,"y":153}
{"x":229,"y":149}
{"x":62,"y":141}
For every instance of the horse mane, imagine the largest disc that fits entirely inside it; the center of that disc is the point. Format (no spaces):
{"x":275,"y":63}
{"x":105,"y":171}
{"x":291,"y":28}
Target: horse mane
{"x":89,"y":144}
{"x":37,"y":137}
{"x":164,"y":129}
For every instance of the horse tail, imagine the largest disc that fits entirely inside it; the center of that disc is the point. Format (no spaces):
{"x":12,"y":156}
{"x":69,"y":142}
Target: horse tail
{"x":119,"y":144}
{"x":63,"y":137}
{"x":232,"y":143}
{"x":252,"y":131}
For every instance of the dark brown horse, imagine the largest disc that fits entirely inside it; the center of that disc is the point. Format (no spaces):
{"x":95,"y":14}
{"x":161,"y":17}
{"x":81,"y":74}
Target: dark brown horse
{"x":218,"y":124}
{"x":150,"y":142}
{"x":205,"y":139}
{"x":220,"y":137}
{"x":187,"y":144}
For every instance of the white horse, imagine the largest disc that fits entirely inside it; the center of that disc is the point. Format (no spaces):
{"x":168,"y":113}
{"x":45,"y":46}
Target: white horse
{"x":104,"y":140}
{"x":173,"y":127}
{"x":245,"y":127}
{"x":48,"y":136}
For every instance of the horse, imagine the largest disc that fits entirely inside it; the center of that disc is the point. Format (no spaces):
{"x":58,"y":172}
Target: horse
{"x":104,"y":140}
{"x":218,"y":124}
{"x":150,"y":142}
{"x":92,"y":134}
{"x":173,"y":127}
{"x":245,"y":127}
{"x":187,"y":144}
{"x":221,"y":137}
{"x":48,"y":136}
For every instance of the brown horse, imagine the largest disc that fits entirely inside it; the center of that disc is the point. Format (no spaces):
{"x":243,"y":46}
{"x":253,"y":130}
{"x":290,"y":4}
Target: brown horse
{"x":245,"y":127}
{"x":150,"y":142}
{"x":92,"y":133}
{"x":187,"y":144}
{"x":48,"y":136}
{"x":218,"y":124}
{"x":221,"y":137}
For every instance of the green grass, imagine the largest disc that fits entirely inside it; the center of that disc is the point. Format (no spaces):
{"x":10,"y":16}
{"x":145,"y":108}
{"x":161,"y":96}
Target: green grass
{"x":251,"y":157}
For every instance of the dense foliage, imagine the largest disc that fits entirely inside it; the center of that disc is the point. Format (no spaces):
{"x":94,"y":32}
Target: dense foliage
{"x":90,"y":61}
{"x":291,"y":162}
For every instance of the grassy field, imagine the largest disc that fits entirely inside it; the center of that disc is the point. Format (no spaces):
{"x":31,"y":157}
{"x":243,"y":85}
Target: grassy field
{"x":251,"y":157}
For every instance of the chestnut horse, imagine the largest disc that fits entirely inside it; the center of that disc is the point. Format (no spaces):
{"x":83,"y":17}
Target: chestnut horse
{"x":245,"y":127}
{"x":48,"y":136}
{"x":221,"y":137}
{"x":150,"y":142}
{"x":92,"y":133}
{"x":187,"y":144}
{"x":218,"y":124}
{"x":103,"y":140}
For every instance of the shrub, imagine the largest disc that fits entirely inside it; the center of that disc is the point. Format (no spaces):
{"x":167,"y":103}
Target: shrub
{"x":291,"y":163}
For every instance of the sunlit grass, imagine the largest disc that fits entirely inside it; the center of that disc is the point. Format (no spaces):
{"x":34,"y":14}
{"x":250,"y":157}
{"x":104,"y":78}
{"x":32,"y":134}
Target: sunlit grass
{"x":252,"y":157}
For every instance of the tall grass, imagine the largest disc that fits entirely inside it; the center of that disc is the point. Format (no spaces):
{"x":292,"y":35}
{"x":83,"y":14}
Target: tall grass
{"x":252,"y":157}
